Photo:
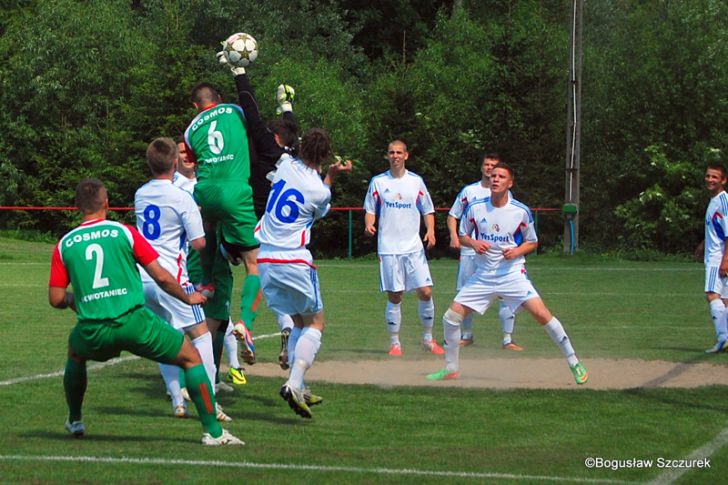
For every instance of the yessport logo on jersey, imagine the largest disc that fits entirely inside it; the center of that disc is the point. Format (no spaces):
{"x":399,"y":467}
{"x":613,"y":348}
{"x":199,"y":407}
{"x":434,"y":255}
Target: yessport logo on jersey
{"x":396,"y":204}
{"x":492,"y":237}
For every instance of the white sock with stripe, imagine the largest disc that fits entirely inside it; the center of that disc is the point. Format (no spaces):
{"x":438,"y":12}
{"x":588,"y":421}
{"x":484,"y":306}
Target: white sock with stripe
{"x":558,"y":335}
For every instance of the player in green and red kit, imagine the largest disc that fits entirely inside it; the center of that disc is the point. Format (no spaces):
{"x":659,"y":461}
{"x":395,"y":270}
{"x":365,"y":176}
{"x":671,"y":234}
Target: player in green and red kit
{"x":217,"y":140}
{"x":99,"y":259}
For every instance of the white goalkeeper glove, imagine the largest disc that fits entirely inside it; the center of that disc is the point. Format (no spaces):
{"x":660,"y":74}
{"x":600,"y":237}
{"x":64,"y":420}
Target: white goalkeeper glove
{"x":222,"y":59}
{"x":284,"y":97}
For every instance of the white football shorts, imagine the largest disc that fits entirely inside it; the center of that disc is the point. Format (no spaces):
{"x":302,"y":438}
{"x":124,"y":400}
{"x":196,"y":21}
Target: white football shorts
{"x":290,"y":282}
{"x":173,"y":311}
{"x":466,"y":269}
{"x":404,"y":272}
{"x":714,"y":283}
{"x":482,"y":290}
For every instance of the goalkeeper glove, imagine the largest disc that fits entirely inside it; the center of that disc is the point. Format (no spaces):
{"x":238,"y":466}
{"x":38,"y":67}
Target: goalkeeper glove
{"x":284,"y":97}
{"x":222,"y":59}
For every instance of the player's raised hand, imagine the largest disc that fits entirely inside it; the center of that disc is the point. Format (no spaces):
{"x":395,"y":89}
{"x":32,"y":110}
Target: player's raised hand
{"x":285,"y":95}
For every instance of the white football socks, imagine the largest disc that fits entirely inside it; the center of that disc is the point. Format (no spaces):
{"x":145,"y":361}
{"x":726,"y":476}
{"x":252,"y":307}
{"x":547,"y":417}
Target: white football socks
{"x":170,"y":375}
{"x":426,"y":311}
{"x":717,"y":314}
{"x":558,"y":335}
{"x":292,"y":341}
{"x":231,"y":347}
{"x":307,"y":347}
{"x":506,"y":317}
{"x":393,"y":317}
{"x":451,"y":322}
{"x":466,"y":329}
{"x":203,"y":344}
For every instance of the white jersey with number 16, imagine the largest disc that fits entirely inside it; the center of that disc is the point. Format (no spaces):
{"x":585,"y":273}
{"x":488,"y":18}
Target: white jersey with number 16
{"x":297,"y":198}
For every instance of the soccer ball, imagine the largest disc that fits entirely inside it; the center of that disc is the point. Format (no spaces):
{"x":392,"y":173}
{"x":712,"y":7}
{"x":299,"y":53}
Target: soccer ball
{"x":240,"y":50}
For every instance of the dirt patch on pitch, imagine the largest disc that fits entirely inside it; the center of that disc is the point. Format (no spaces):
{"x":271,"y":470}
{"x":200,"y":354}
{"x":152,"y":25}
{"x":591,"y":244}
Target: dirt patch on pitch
{"x":509,"y":373}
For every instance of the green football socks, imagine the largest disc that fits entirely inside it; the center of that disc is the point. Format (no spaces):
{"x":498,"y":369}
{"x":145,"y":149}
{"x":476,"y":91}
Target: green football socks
{"x":250,"y":299}
{"x":74,"y":385}
{"x":200,"y":389}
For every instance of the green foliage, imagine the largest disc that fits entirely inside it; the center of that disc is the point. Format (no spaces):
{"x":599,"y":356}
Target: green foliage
{"x":663,"y":216}
{"x":655,"y":73}
{"x":86,"y":85}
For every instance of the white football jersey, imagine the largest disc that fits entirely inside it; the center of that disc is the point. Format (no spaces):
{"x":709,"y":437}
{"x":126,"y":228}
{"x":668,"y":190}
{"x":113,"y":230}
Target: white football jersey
{"x":184,"y":183}
{"x":468,"y":195}
{"x":503,"y":227}
{"x":716,"y":229}
{"x":168,"y":218}
{"x":399,"y":203}
{"x":297,"y":198}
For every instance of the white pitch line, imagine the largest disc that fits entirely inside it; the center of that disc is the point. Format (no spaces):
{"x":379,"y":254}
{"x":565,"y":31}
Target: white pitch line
{"x":96,"y":365}
{"x":315,"y":468}
{"x":704,"y":452}
{"x":531,"y":269}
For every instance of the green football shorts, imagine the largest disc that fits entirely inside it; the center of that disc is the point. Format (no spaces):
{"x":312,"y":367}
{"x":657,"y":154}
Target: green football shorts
{"x":139,"y":331}
{"x":230,"y":206}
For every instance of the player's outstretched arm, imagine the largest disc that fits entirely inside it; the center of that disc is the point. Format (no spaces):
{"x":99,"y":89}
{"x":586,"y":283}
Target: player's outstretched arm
{"x":167,"y":282}
{"x":335,"y":169}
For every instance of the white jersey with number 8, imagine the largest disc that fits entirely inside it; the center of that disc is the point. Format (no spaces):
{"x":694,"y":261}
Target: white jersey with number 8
{"x":168,"y":217}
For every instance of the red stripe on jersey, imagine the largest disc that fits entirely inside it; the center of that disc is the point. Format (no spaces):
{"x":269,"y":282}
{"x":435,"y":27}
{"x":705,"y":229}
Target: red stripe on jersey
{"x":179,"y":268}
{"x":285,"y":261}
{"x":59,"y":273}
{"x":303,"y":238}
{"x":144,"y":253}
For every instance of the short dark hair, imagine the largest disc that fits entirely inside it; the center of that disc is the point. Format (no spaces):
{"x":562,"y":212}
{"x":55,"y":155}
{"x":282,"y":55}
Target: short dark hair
{"x":505,"y":167}
{"x":316,"y":147}
{"x":397,"y":142}
{"x":492,"y":156}
{"x":205,"y":93}
{"x":719,"y":167}
{"x":286,"y":130}
{"x":90,"y":195}
{"x":161,"y":155}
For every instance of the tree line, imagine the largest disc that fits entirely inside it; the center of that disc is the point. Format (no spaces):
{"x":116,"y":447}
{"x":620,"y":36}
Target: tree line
{"x":86,"y":85}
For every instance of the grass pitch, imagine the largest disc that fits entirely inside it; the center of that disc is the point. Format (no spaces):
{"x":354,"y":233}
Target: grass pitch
{"x":369,"y":434}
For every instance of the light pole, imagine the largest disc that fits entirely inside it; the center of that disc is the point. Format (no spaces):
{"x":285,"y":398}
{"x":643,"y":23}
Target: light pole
{"x":573,"y":132}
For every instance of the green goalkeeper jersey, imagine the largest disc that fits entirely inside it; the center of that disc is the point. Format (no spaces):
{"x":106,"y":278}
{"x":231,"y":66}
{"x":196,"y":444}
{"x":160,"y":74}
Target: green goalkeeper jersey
{"x":99,"y":259}
{"x":218,"y":140}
